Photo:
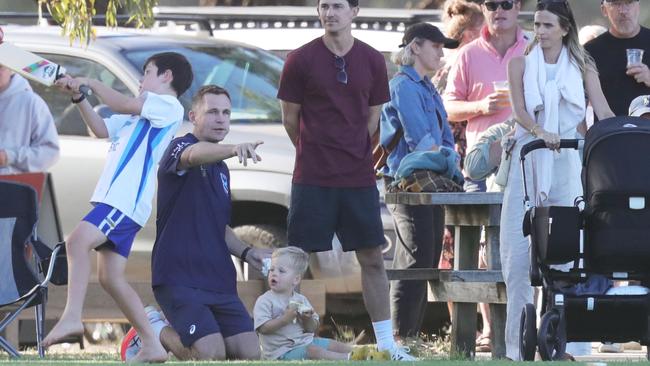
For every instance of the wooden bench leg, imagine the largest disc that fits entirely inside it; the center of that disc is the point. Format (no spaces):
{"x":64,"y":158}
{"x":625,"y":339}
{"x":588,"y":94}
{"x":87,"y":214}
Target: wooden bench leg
{"x":498,"y":317}
{"x":497,"y":311}
{"x":463,"y":331}
{"x":463,"y":334}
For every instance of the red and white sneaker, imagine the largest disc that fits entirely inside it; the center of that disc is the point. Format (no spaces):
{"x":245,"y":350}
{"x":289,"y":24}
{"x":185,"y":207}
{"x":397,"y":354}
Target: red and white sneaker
{"x":131,"y":344}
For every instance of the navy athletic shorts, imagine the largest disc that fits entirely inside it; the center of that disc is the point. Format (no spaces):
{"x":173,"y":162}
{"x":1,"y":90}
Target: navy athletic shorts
{"x":196,"y":313}
{"x":116,"y":226}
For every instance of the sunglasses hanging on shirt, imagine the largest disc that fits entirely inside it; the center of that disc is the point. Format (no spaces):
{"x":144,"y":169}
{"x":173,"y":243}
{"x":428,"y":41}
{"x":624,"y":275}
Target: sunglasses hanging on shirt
{"x":341,"y":75}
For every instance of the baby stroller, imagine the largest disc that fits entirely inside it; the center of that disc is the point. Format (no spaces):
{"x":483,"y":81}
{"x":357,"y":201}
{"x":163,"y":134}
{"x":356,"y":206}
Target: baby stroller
{"x":606,"y":233}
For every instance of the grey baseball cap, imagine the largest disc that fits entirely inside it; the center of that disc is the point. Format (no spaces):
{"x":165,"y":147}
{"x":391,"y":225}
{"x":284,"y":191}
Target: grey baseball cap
{"x":640,"y":106}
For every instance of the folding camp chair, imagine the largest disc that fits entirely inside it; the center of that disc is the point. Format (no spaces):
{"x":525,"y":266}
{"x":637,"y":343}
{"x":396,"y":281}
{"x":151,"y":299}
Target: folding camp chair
{"x":26,"y":264}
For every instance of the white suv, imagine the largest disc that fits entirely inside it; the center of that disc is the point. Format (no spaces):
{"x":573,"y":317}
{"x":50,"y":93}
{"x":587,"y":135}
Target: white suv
{"x":260,"y":192}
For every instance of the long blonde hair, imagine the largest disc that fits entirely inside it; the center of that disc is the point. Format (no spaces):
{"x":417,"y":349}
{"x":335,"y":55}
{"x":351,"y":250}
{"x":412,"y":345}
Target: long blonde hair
{"x":562,"y":10}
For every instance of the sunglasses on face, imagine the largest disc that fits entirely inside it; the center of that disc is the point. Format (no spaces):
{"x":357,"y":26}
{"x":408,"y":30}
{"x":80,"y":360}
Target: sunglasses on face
{"x":494,"y":5}
{"x":341,"y":75}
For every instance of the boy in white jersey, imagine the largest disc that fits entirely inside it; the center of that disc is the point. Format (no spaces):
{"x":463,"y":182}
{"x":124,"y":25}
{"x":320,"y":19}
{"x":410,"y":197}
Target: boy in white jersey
{"x":139,"y":134}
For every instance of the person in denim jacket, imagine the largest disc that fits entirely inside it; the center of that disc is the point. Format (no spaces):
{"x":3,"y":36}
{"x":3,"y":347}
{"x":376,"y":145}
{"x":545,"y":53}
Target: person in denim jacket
{"x":416,"y":107}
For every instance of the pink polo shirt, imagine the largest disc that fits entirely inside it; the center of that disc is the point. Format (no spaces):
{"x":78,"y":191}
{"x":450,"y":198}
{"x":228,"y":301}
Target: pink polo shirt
{"x":478,"y":64}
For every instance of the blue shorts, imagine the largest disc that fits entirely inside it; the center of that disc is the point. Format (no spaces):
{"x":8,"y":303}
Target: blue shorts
{"x":118,"y":228}
{"x":196,"y":313}
{"x":317,"y":213}
{"x":300,"y":353}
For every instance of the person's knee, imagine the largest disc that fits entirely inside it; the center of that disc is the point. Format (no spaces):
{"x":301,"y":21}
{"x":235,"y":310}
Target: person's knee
{"x":371,"y":259}
{"x":313,"y":352}
{"x":209,"y":348}
{"x":105,"y":279}
{"x":249,"y":353}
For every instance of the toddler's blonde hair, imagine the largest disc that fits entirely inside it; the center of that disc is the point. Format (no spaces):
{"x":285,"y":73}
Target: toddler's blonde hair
{"x":297,"y":257}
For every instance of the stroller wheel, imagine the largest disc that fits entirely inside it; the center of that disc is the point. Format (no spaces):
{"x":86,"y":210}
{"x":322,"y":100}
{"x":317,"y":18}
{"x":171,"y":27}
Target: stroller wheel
{"x":551,"y":344}
{"x":528,"y":333}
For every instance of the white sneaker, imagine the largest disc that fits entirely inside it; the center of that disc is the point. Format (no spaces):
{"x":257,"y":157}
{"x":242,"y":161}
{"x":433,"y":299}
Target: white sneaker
{"x":400,"y":353}
{"x":156,"y":319}
{"x":610,"y":348}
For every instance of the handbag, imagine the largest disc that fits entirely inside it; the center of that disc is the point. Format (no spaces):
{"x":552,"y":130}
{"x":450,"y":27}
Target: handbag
{"x":380,"y":152}
{"x":507,"y":144}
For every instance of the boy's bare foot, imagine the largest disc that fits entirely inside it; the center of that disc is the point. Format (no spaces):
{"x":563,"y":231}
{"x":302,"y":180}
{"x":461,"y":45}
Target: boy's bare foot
{"x":152,"y":354}
{"x":62,"y":330}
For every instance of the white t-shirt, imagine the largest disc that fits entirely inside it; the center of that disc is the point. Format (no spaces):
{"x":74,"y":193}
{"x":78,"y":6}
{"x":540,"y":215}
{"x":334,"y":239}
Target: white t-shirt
{"x":137,"y":145}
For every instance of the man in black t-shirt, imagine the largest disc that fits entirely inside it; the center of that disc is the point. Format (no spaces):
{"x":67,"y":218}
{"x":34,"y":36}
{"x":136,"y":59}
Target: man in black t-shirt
{"x":621,"y":83}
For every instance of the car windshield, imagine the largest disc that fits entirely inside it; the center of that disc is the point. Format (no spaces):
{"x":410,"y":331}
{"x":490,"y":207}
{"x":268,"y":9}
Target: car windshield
{"x":251,"y":76}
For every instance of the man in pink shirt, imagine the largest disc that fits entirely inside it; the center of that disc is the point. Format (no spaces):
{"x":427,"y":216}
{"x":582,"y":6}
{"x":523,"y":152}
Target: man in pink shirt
{"x":470,"y":94}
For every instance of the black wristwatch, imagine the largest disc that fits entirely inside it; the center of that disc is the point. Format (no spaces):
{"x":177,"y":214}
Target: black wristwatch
{"x":78,"y":100}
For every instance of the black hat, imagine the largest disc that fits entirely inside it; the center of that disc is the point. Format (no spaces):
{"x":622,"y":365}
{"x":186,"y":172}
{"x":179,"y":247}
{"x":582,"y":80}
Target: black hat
{"x":427,"y":31}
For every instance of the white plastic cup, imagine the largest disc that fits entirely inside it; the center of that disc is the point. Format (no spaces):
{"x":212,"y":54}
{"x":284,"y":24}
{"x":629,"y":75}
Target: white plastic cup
{"x":501,"y":86}
{"x":634,"y":56}
{"x":266,"y":266}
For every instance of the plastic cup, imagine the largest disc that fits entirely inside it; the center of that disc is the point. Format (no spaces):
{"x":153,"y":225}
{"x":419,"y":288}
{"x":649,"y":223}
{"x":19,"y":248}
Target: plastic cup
{"x":634,"y":56}
{"x":503,"y":88}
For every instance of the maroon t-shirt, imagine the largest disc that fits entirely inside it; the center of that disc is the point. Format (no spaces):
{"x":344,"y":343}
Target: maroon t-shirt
{"x":333,"y":143}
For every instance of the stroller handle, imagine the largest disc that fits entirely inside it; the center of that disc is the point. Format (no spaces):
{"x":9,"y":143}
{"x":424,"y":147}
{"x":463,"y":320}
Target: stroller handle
{"x":540,"y":144}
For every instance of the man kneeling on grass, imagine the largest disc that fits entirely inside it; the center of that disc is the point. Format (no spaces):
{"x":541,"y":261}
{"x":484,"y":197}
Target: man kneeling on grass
{"x":194,"y":280}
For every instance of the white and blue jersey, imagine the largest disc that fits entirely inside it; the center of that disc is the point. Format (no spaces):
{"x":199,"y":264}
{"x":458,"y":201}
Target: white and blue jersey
{"x":137,"y":144}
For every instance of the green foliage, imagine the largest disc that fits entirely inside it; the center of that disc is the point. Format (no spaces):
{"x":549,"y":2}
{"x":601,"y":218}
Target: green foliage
{"x":75,"y":16}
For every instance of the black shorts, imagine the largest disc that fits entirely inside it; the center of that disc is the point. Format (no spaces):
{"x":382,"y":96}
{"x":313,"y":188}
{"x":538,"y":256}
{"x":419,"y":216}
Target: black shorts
{"x":317,"y":213}
{"x":196,"y":313}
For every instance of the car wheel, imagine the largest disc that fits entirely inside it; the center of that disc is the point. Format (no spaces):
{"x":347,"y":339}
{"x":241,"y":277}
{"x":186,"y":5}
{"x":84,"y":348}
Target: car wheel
{"x":258,"y":236}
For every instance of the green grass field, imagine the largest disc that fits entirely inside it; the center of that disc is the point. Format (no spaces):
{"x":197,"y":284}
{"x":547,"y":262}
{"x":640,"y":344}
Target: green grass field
{"x":29,"y":360}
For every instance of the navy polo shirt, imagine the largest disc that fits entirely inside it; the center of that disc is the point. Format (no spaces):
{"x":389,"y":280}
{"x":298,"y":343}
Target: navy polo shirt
{"x":193,"y":211}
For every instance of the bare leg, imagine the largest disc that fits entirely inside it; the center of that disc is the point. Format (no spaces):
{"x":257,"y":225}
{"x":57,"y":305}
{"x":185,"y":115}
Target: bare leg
{"x":208,"y":348}
{"x":243,"y":346}
{"x":375,"y":283}
{"x":336,"y":346}
{"x":172,"y":343}
{"x":318,"y":353}
{"x":111,"y":268}
{"x":83,"y":239}
{"x":485,"y":312}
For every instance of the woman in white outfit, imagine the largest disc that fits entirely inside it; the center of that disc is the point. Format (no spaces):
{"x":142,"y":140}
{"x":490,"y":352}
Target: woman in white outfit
{"x":548,"y":87}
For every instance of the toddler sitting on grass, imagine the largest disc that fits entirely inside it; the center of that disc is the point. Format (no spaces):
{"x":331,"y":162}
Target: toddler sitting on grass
{"x":286,"y":321}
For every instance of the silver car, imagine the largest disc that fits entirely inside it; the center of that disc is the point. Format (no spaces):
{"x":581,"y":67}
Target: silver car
{"x":260,"y":192}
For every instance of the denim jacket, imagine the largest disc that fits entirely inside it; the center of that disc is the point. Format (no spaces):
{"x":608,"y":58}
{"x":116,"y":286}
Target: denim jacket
{"x":416,"y":106}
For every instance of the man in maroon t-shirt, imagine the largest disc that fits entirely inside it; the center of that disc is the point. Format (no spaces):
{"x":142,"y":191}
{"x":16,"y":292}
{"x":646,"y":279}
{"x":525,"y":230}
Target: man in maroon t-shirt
{"x":332,"y":90}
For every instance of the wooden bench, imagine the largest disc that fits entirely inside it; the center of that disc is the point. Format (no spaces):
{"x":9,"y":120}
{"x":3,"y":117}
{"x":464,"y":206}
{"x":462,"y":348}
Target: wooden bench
{"x":465,"y":285}
{"x":100,"y":307}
